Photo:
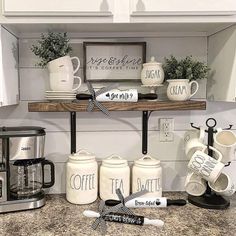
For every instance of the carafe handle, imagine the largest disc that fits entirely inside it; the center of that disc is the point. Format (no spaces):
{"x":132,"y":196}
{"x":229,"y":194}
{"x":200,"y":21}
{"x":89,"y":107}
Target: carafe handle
{"x":52,"y":168}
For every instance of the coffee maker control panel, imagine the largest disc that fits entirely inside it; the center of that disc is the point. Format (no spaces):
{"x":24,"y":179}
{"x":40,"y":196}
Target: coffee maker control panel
{"x":22,"y":148}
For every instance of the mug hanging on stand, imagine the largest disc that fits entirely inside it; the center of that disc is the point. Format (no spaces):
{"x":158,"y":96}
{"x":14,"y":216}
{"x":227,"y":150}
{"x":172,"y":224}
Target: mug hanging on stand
{"x":223,"y":186}
{"x":206,"y":166}
{"x":195,"y":185}
{"x":61,"y":74}
{"x":195,"y":143}
{"x":225,"y":142}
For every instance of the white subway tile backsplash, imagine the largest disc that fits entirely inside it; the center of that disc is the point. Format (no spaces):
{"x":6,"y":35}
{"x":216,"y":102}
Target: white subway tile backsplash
{"x":121,"y":132}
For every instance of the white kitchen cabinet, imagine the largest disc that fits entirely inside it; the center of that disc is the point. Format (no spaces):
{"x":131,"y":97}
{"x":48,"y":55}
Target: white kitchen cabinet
{"x":57,"y":8}
{"x":221,"y":85}
{"x":9,"y":84}
{"x":182,"y":7}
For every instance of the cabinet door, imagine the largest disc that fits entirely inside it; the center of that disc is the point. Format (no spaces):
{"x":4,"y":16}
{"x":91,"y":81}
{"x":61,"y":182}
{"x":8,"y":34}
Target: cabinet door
{"x":9,"y":89}
{"x":183,"y":7}
{"x":57,"y":8}
{"x":221,"y":84}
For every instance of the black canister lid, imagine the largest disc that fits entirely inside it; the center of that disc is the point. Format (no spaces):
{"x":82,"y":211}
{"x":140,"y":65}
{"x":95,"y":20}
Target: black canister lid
{"x":21,"y":131}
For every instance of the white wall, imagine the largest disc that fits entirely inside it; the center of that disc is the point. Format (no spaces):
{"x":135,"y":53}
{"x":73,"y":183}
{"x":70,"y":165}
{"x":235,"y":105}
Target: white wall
{"x":121,"y":132}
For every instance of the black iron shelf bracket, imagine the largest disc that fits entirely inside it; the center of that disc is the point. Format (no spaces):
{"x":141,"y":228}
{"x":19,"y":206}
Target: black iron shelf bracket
{"x":145,"y":118}
{"x":145,"y":132}
{"x":73,"y":132}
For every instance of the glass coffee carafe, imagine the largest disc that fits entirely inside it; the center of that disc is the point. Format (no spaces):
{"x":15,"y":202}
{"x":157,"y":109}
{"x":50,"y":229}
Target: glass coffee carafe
{"x":27,"y":177}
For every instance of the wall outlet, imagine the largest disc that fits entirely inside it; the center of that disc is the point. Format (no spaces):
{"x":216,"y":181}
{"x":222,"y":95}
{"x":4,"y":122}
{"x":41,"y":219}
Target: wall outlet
{"x":166,"y":129}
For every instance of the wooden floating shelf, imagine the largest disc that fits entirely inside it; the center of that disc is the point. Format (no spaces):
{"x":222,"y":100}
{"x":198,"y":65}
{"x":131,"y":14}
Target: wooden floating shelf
{"x":81,"y":106}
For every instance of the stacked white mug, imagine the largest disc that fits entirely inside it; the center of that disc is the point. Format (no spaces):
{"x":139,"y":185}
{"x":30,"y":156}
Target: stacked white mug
{"x":204,"y":168}
{"x":62,"y":74}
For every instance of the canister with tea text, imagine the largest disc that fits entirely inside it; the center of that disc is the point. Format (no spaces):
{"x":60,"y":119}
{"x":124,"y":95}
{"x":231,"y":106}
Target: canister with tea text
{"x":81,"y":178}
{"x":147,"y":174}
{"x":114,"y":174}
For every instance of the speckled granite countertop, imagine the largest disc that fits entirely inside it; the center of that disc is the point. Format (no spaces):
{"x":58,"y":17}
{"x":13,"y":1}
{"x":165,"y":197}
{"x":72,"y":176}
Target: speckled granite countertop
{"x":59,"y":217}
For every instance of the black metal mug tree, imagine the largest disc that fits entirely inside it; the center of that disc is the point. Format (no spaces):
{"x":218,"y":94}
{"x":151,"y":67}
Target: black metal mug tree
{"x":209,"y":199}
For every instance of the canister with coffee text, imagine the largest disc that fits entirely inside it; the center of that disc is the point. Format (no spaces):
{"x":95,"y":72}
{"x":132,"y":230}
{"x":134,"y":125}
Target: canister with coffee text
{"x":81,"y":178}
{"x":114,"y":174}
{"x":147,"y":174}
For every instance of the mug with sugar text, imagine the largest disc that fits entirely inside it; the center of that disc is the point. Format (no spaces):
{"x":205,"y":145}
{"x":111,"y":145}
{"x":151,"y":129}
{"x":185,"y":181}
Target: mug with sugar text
{"x":206,"y":166}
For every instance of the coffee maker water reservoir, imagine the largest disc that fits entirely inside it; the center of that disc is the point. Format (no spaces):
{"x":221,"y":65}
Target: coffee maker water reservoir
{"x":22,"y":167}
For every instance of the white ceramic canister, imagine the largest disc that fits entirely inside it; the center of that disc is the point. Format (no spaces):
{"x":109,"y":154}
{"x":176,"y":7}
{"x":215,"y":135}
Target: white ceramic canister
{"x":147,"y":174}
{"x":152,"y":73}
{"x":114,"y":174}
{"x":81,"y":178}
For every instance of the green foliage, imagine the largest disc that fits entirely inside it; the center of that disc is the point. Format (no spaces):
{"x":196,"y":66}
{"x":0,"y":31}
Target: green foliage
{"x":51,"y":47}
{"x":187,"y":68}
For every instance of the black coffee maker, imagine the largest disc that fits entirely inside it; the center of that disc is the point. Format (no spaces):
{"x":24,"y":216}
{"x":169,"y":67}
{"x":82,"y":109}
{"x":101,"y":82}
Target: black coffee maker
{"x":22,"y":168}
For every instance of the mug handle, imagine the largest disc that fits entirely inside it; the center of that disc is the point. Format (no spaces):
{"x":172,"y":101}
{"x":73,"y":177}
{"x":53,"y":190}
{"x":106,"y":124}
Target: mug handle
{"x":52,"y":168}
{"x":78,"y":62}
{"x":197,"y":86}
{"x":201,"y":134}
{"x":77,"y":87}
{"x":216,"y":151}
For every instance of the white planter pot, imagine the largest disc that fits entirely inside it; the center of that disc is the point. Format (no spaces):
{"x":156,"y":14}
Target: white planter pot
{"x":180,"y":89}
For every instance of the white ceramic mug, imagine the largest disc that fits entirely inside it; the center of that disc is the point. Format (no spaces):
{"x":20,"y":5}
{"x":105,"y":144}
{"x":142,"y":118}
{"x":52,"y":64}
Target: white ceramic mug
{"x":225,"y":142}
{"x":206,"y":166}
{"x":63,"y":64}
{"x":195,"y":185}
{"x":223,"y":186}
{"x":63,"y":81}
{"x":180,"y":89}
{"x":194,"y":143}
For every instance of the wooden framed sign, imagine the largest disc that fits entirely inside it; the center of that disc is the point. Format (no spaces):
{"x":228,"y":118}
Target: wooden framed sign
{"x":108,"y":61}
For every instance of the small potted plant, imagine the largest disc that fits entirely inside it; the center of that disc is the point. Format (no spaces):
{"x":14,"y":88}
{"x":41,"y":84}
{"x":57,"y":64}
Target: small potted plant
{"x":181,"y":75}
{"x":53,"y":49}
